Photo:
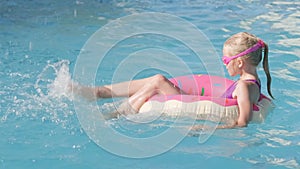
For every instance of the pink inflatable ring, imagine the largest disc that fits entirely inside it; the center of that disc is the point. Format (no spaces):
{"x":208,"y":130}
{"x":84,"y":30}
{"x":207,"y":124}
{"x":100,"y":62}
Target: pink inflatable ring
{"x":204,"y":100}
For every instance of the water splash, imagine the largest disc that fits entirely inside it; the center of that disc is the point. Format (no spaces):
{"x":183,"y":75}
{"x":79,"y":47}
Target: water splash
{"x":48,"y":101}
{"x":38,"y":97}
{"x":58,"y":87}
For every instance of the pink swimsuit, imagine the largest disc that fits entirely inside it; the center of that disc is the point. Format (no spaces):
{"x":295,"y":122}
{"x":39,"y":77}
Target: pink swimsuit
{"x":229,"y":91}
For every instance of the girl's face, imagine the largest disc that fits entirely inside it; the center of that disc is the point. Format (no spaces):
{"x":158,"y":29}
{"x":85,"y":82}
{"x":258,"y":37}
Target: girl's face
{"x":232,"y":66}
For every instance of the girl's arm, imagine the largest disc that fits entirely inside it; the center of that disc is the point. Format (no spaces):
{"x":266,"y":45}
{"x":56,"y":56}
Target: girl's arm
{"x":243,"y":96}
{"x":245,"y":102}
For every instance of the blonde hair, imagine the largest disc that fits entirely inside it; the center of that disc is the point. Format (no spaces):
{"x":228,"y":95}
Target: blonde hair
{"x":243,"y":41}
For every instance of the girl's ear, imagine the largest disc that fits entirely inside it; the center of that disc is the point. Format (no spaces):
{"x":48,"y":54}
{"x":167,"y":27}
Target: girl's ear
{"x":240,"y":63}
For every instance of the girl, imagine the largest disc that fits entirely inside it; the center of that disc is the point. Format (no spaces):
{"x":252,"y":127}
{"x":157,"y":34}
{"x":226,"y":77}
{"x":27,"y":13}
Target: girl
{"x":242,"y":54}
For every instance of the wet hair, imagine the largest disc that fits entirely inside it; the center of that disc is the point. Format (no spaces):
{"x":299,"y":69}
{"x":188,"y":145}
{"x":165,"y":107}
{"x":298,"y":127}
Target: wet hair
{"x":243,"y":41}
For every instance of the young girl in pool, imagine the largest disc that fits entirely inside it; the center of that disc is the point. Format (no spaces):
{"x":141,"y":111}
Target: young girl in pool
{"x":242,"y":54}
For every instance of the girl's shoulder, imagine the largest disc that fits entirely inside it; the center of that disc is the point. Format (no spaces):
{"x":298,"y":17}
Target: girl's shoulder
{"x":249,"y":83}
{"x":250,"y":88}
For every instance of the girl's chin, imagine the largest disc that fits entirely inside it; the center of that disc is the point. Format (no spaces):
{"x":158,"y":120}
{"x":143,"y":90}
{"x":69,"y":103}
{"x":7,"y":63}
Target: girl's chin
{"x":232,"y":75}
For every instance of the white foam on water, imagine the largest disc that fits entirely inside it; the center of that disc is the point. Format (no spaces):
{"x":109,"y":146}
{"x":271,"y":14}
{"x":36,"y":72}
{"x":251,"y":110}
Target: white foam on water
{"x":52,"y":101}
{"x":60,"y":86}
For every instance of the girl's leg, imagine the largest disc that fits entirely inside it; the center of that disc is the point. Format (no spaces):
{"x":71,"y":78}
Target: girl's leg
{"x":124,"y":89}
{"x":157,"y":84}
{"x":138,"y":91}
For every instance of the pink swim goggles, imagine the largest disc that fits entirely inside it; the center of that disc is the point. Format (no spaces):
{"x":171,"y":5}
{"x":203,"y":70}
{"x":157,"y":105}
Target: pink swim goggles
{"x":259,"y":44}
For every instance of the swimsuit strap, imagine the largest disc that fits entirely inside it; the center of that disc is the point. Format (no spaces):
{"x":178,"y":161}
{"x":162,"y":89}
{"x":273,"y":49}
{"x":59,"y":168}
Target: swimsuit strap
{"x":229,"y":91}
{"x":231,"y":88}
{"x":256,"y":82}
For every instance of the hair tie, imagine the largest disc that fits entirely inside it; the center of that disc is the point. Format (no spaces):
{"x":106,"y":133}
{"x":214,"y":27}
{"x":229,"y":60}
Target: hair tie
{"x":261,"y":43}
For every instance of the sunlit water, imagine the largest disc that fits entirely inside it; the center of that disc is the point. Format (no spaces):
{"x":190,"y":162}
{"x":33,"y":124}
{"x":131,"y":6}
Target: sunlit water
{"x":39,"y":44}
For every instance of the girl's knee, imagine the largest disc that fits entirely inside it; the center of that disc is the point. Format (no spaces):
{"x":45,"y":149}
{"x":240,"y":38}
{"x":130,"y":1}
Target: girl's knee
{"x":159,"y":80}
{"x":159,"y":77}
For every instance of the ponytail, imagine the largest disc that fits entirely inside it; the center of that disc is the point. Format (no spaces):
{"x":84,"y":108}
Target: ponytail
{"x":266,"y":69}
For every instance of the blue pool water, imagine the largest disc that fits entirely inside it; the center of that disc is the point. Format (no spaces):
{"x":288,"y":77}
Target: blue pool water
{"x":41,"y":40}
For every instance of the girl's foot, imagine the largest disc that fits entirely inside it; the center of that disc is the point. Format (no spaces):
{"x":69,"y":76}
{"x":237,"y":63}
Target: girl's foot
{"x":87,"y":92}
{"x":125,"y":109}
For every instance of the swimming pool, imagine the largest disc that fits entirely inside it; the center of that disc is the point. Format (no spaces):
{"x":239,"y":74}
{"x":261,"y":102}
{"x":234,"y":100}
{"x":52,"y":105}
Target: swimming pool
{"x":40,"y":129}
